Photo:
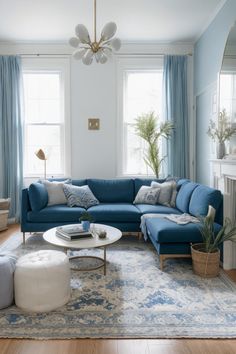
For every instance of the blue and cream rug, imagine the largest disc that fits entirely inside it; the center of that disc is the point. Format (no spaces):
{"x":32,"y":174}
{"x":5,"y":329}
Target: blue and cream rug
{"x":134,"y":300}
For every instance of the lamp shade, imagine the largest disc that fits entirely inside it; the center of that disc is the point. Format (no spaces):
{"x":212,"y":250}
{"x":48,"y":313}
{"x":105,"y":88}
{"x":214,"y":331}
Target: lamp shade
{"x":82,"y":32}
{"x":74,"y":42}
{"x":108,"y":31}
{"x":103,"y":59}
{"x":115,"y":43}
{"x":41,"y":154}
{"x":78,"y":54}
{"x":88,"y":57}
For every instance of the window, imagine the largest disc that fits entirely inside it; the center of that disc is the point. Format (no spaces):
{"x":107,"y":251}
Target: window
{"x":141,"y":93}
{"x":228,"y":94}
{"x":45,"y":119}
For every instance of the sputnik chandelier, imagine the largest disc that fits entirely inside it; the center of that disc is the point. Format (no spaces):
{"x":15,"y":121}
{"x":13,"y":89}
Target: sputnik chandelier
{"x":101,"y":50}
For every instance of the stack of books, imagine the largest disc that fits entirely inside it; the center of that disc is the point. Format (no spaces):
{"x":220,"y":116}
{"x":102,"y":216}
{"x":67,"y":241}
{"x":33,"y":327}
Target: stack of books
{"x":72,"y":232}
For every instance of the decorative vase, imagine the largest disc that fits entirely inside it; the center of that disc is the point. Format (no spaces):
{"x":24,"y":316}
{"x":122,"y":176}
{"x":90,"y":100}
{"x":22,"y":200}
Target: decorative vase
{"x":206,"y":265}
{"x":85,"y":225}
{"x":220,"y":150}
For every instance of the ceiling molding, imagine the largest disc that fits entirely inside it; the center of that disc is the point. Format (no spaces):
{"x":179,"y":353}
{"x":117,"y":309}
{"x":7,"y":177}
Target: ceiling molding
{"x":210,"y":19}
{"x":124,"y":42}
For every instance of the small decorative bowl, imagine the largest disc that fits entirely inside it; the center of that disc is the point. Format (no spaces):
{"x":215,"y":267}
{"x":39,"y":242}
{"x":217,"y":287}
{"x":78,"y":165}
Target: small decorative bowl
{"x":102,"y":234}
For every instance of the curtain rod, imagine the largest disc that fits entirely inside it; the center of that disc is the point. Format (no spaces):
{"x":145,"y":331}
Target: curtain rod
{"x":151,"y":54}
{"x":117,"y":54}
{"x":39,"y":55}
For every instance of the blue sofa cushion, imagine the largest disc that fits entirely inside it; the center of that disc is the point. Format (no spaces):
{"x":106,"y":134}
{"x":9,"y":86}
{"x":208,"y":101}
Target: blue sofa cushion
{"x":153,"y":209}
{"x":56,"y":213}
{"x":184,"y":195}
{"x":38,"y":196}
{"x":166,"y":231}
{"x":112,"y":190}
{"x":139,"y":182}
{"x":201,"y":198}
{"x":115,"y":212}
{"x":79,"y":182}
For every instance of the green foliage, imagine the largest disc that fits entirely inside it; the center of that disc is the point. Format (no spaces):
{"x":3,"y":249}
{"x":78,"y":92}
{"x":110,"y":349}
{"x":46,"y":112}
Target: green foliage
{"x":210,"y":240}
{"x":85,"y":216}
{"x":223,"y":130}
{"x":147,"y":128}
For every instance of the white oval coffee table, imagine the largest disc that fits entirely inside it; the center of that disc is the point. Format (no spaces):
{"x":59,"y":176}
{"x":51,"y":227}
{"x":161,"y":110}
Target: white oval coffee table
{"x":113,"y":235}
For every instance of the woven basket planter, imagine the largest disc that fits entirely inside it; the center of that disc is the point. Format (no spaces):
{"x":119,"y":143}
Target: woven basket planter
{"x":206,"y":265}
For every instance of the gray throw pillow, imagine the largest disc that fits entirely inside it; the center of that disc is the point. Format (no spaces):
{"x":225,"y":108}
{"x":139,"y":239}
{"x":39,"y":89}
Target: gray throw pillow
{"x":79,"y":196}
{"x":168,"y":193}
{"x":147,"y":195}
{"x":55,"y":191}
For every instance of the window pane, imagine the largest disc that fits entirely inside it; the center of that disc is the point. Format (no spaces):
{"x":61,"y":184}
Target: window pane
{"x":143,"y":94}
{"x":47,"y":138}
{"x":134,"y":153}
{"x":44,"y":121}
{"x":228,"y":94}
{"x":42,"y":97}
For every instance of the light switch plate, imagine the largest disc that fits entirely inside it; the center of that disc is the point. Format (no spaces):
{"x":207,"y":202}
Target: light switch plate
{"x":93,"y":123}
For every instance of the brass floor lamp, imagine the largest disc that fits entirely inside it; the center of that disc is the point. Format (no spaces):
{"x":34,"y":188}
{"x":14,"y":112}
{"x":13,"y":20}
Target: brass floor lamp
{"x":41,"y":155}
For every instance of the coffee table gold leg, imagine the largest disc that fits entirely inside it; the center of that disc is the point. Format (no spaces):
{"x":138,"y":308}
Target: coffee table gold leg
{"x":105,"y":260}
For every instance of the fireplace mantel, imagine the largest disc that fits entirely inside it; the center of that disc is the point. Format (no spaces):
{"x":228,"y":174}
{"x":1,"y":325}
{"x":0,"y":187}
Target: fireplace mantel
{"x":220,"y":169}
{"x":223,"y":177}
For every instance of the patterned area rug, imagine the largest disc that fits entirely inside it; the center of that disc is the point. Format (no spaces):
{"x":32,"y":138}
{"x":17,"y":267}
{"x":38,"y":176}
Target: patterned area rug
{"x":134,"y":300}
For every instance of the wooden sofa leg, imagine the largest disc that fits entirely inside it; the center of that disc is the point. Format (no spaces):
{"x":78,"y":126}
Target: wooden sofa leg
{"x":161,"y":258}
{"x":140,"y":236}
{"x":23,"y":237}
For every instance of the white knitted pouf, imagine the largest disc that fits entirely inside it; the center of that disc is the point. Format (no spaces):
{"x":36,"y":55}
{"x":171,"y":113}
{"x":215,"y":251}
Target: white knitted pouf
{"x":42,"y":281}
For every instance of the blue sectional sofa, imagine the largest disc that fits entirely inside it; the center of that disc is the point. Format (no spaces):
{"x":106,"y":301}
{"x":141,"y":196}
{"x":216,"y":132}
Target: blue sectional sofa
{"x":116,"y":208}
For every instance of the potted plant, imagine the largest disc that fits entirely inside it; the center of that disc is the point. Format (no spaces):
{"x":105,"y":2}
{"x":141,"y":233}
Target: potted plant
{"x":147,"y":128}
{"x":221,"y":132}
{"x":206,"y":255}
{"x":85,"y":220}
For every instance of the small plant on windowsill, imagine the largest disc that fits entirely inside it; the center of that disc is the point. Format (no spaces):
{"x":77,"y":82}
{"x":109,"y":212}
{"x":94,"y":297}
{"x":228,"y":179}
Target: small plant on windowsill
{"x":147,"y":128}
{"x":221,"y":132}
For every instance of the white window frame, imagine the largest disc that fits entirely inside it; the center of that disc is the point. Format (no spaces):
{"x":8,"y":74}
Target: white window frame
{"x":62,"y":65}
{"x":129,"y":64}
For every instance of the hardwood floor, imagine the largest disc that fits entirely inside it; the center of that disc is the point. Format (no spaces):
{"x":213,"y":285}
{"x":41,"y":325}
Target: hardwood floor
{"x":115,"y":346}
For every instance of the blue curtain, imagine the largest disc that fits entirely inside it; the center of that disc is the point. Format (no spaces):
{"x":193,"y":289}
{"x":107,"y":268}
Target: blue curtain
{"x":11,"y":132}
{"x":176,"y":111}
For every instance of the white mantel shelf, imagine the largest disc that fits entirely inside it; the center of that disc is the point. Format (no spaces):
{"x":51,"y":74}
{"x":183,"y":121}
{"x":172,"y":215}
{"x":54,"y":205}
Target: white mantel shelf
{"x":224,"y":161}
{"x":220,"y":169}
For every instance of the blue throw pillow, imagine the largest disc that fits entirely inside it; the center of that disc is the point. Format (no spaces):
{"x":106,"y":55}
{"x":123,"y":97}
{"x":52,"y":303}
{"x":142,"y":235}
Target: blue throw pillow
{"x":79,"y":196}
{"x":38,"y":196}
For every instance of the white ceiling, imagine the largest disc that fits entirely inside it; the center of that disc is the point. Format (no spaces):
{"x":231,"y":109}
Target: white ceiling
{"x":137,"y":20}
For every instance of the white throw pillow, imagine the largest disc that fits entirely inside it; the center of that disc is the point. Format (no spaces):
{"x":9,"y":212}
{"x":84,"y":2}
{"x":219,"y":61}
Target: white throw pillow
{"x":168,"y":193}
{"x":147,"y":195}
{"x":55,"y":191}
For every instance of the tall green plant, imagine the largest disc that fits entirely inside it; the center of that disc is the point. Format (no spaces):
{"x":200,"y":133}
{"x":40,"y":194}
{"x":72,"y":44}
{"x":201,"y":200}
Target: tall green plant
{"x":147,"y":128}
{"x":212,"y":241}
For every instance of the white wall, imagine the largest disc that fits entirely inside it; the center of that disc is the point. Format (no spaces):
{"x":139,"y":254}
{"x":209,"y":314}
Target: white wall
{"x":94,"y":94}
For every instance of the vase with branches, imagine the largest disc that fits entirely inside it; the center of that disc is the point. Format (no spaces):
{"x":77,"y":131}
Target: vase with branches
{"x":221,"y":132}
{"x":148,"y":128}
